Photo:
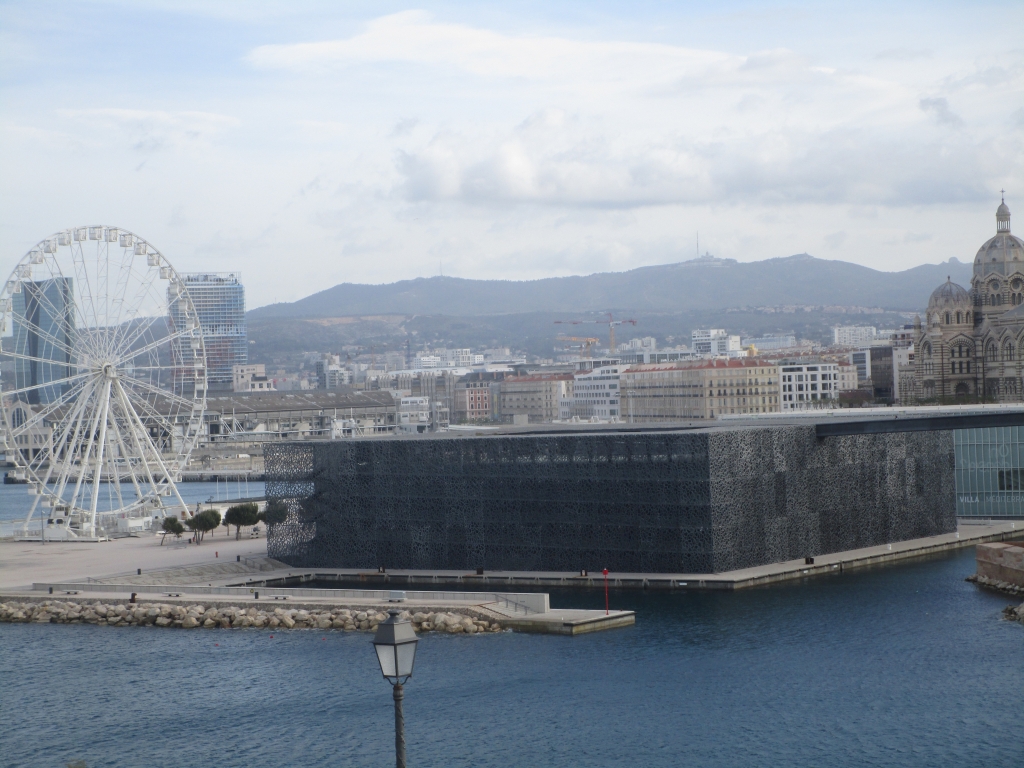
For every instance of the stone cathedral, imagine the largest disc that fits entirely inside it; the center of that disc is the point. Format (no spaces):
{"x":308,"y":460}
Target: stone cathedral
{"x":971,"y":342}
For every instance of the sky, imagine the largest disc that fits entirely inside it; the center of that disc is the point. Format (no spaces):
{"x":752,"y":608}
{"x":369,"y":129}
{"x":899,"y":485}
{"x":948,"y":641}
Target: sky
{"x":306,"y":144}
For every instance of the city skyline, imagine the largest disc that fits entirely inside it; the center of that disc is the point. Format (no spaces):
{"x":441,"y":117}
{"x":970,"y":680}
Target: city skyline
{"x":381,"y":143}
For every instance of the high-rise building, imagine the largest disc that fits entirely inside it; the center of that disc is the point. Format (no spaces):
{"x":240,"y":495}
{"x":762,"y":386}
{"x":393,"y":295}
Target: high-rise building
{"x":219,"y":299}
{"x":44,"y":329}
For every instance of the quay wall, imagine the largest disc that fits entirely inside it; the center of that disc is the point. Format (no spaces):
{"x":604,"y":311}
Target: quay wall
{"x":697,"y":501}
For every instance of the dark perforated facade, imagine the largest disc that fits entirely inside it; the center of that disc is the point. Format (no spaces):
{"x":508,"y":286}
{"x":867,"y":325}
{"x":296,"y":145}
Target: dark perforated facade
{"x":697,"y":501}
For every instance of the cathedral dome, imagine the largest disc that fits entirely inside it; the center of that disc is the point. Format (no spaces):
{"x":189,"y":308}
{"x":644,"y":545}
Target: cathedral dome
{"x":949,"y":294}
{"x":1002,"y":254}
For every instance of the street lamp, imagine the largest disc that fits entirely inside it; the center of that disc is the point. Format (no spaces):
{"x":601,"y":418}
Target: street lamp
{"x":395,"y":644}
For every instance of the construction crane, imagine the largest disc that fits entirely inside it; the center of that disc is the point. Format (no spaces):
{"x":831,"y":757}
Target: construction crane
{"x":611,"y":322}
{"x":587,"y":341}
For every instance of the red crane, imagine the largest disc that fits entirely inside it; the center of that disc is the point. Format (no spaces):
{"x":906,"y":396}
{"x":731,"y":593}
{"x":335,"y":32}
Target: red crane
{"x":611,"y":322}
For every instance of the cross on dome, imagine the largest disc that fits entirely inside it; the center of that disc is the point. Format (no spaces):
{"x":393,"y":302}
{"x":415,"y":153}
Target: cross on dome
{"x":1002,"y":215}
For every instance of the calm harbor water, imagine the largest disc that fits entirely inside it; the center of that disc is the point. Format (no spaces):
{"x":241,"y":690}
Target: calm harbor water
{"x":15,"y":501}
{"x":900,"y":666}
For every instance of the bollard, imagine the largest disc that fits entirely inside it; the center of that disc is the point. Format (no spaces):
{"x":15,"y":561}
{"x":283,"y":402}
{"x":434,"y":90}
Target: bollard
{"x":238,"y":558}
{"x":138,"y":571}
{"x":51,"y":590}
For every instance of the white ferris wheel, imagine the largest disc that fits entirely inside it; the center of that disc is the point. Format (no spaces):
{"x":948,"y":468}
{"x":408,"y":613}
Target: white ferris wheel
{"x":103,"y":380}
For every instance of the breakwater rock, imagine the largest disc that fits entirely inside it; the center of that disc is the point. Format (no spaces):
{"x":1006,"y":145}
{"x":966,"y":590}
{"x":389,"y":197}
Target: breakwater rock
{"x":228,"y":617}
{"x":1002,"y":586}
{"x":1014,"y":614}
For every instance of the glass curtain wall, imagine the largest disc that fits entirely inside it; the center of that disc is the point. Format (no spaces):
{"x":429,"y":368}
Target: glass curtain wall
{"x":990,"y":472}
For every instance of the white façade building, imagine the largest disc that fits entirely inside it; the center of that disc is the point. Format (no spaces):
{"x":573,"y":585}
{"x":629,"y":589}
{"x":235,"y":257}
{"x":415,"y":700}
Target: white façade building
{"x":595,"y":394}
{"x":809,"y":385}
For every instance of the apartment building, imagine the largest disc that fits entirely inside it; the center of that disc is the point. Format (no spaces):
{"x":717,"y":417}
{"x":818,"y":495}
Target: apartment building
{"x":536,"y":396}
{"x":810,"y":385}
{"x":704,"y":389}
{"x":853,"y":335}
{"x":251,"y":378}
{"x":476,"y":396}
{"x":714,"y":341}
{"x":595,"y":394}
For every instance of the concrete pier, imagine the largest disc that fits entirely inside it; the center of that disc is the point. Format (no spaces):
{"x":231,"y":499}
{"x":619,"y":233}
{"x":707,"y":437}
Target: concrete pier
{"x":223,"y":572}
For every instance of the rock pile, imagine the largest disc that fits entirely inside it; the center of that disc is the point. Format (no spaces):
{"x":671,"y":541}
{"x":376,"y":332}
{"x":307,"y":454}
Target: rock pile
{"x":1014,"y":614}
{"x":193,"y":616}
{"x":1002,"y":586}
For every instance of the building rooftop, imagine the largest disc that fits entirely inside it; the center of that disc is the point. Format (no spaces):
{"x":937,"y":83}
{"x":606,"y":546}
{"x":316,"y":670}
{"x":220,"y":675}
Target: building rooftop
{"x":842,"y":420}
{"x":735,"y":362}
{"x":253,"y":402}
{"x":541,"y":377}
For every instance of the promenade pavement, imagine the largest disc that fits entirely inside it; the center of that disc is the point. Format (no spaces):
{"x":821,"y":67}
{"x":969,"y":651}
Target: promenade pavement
{"x":25,"y":563}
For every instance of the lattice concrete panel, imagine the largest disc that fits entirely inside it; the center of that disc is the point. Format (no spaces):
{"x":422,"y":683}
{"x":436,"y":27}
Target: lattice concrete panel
{"x":780,"y":493}
{"x":693,"y":502}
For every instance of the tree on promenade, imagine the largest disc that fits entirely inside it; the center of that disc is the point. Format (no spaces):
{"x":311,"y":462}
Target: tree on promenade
{"x":276,"y":512}
{"x":203,"y":523}
{"x":171,"y":525}
{"x":242,"y":515}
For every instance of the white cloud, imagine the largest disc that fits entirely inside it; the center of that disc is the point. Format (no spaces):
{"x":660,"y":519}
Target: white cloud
{"x":509,"y":144}
{"x":412,"y":37}
{"x":634,"y":124}
{"x":939,"y":109}
{"x":150,"y":131}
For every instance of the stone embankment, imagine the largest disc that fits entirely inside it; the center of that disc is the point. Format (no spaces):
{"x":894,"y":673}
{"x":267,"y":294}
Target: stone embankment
{"x":195,"y":616}
{"x":1014,"y":614}
{"x":1009,"y":612}
{"x":1002,"y":586}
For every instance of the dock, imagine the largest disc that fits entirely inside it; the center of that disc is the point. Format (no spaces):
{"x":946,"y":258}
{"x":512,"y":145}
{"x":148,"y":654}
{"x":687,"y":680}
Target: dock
{"x":224,"y":572}
{"x":967,"y":535}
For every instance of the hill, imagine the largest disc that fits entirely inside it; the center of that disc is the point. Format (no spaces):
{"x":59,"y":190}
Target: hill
{"x":698,"y":285}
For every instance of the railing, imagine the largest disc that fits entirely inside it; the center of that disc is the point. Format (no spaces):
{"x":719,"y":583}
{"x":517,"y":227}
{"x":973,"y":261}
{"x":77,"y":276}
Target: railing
{"x":506,"y":603}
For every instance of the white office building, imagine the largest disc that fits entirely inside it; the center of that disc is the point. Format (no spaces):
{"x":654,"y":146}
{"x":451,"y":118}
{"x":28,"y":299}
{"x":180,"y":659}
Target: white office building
{"x":854,"y":335}
{"x":809,"y":385}
{"x":595,"y":395}
{"x":768,"y":343}
{"x":715,"y":342}
{"x":331,"y":374}
{"x":251,"y":378}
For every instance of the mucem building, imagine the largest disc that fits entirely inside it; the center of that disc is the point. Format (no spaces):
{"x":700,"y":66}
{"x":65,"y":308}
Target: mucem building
{"x":673,"y":501}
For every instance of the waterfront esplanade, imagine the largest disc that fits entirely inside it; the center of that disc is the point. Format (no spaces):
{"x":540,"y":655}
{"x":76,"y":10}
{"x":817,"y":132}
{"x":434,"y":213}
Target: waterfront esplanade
{"x":657,"y":500}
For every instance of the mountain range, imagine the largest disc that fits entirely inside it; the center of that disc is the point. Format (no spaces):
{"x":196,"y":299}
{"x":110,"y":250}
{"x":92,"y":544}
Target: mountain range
{"x":706,"y":283}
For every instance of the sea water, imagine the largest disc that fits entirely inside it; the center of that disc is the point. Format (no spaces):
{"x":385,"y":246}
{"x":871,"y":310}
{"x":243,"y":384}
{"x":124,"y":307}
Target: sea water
{"x":904,"y":665}
{"x":15,"y":501}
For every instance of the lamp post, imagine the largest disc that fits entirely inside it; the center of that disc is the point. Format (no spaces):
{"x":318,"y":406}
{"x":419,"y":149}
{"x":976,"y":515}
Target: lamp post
{"x":395,"y":644}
